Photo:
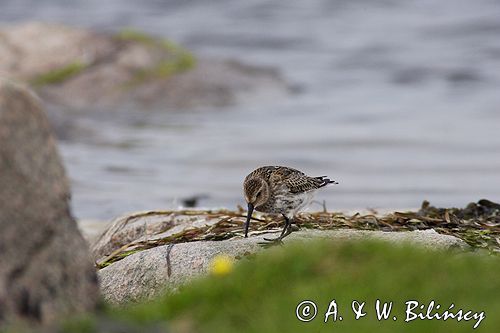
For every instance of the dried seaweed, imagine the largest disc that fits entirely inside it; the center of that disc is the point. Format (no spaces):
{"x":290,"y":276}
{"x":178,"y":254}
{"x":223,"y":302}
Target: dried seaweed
{"x":478,"y":224}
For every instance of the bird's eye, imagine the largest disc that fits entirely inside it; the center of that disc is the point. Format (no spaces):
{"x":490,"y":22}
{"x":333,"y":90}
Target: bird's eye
{"x":258,"y":194}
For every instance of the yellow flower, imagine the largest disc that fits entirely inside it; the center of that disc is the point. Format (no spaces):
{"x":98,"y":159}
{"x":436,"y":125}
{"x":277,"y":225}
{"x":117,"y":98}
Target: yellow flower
{"x":221,"y":264}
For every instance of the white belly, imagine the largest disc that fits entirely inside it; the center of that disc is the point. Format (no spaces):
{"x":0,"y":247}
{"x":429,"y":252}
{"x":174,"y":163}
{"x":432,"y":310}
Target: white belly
{"x":290,"y":205}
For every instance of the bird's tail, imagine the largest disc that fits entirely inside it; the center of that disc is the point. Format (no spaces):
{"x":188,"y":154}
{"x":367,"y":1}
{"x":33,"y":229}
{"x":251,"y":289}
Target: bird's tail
{"x":326,"y":181}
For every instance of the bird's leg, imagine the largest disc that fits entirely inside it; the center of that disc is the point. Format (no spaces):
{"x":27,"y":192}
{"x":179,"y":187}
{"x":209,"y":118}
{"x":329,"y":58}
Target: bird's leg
{"x":286,"y":231}
{"x":286,"y":227}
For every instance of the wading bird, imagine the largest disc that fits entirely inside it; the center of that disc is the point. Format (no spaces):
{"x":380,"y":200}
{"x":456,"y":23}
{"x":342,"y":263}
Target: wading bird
{"x":280,"y":190}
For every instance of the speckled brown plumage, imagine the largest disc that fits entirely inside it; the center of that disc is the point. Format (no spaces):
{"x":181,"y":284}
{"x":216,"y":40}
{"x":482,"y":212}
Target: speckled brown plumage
{"x":280,"y":190}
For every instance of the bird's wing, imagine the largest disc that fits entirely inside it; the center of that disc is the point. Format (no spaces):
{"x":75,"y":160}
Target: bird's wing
{"x":302,"y":184}
{"x":295,"y":180}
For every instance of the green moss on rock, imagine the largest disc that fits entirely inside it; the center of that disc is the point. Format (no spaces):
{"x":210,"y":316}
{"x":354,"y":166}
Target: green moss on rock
{"x":58,"y":75}
{"x":135,"y":35}
{"x":176,"y":59}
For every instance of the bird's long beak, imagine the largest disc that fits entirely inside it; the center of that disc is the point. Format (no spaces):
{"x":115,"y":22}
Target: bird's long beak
{"x":249,"y":216}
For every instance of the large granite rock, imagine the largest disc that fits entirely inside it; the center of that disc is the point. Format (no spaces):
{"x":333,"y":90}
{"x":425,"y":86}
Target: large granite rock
{"x":77,"y":69}
{"x":45,"y":268}
{"x":151,"y":272}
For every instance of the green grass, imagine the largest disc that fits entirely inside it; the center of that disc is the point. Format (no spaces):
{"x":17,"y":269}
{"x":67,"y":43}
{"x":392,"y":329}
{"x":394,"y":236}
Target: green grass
{"x":262,"y":293}
{"x":58,"y":75}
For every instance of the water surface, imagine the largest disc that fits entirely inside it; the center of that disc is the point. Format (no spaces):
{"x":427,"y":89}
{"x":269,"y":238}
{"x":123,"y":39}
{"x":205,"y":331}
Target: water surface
{"x":399,"y":101}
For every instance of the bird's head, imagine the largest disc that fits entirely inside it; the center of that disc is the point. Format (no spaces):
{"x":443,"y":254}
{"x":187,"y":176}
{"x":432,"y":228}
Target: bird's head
{"x":256,"y":192}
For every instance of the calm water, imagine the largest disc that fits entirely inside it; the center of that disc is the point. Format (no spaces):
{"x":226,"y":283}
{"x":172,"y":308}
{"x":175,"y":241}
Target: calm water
{"x":400,"y":102}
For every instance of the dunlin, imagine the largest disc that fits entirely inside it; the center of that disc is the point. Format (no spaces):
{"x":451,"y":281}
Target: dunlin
{"x":280,"y":190}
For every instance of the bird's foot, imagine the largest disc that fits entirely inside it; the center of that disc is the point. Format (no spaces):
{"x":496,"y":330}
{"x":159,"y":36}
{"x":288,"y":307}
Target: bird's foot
{"x":278,"y":240}
{"x":271,"y":242}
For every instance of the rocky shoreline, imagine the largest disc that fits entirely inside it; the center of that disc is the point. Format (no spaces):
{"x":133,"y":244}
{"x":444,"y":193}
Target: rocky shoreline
{"x":144,"y":254}
{"x":48,"y":271}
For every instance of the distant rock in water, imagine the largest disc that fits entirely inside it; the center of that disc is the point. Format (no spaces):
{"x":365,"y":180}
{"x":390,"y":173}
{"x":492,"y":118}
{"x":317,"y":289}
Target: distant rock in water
{"x":78,"y":69}
{"x":45,"y":268}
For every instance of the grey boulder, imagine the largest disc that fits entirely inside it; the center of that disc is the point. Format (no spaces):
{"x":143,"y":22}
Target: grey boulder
{"x":45,"y":269}
{"x":162,"y":269}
